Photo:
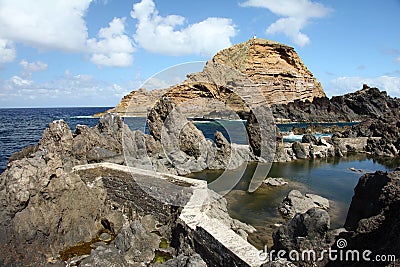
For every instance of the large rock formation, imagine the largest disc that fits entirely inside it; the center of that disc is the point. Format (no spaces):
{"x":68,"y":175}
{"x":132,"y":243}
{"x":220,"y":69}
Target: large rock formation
{"x":306,"y":231}
{"x":56,"y":212}
{"x":144,"y":100}
{"x":275,"y":68}
{"x":364,"y":104}
{"x":373,"y":217}
{"x":185,"y":147}
{"x":236,"y":76}
{"x":295,"y":202}
{"x":383,"y":134}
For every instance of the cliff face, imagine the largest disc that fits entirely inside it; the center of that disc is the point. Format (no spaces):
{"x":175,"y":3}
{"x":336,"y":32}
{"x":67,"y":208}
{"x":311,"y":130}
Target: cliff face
{"x":275,"y":68}
{"x":233,"y":76}
{"x":136,"y":103}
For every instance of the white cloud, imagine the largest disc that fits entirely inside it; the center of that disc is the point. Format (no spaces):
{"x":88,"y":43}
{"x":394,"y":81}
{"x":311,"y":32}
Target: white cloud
{"x":296,"y":15}
{"x":341,"y":85}
{"x":60,"y":25}
{"x":114,"y":47}
{"x":30,"y":67}
{"x":20,"y":82}
{"x":7,"y":51}
{"x":45,"y":24}
{"x":171,"y":35}
{"x":69,"y":90}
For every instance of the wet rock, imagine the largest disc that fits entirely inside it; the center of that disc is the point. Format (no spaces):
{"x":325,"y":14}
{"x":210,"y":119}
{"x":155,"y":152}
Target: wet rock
{"x":278,"y":263}
{"x":136,"y":243}
{"x":306,"y":231}
{"x":299,"y":150}
{"x":184,"y":261}
{"x":217,"y":209}
{"x":309,"y":138}
{"x":105,"y":237}
{"x":107,"y":256}
{"x":275,"y":181}
{"x":373,"y":217}
{"x":295,"y":202}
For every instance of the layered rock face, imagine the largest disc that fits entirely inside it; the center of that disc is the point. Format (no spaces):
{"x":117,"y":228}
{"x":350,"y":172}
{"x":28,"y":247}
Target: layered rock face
{"x":275,"y":68}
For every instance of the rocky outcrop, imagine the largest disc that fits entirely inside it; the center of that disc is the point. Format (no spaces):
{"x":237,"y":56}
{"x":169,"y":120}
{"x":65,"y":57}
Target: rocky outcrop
{"x":275,"y":68}
{"x":295,"y":202}
{"x":275,"y":181}
{"x":47,"y":208}
{"x":367,"y":103}
{"x":382,"y":134}
{"x":233,"y":77}
{"x":373,"y":217}
{"x":309,"y":138}
{"x":372,"y":224}
{"x":185,"y":147}
{"x":323,"y":148}
{"x":57,"y":211}
{"x":136,"y":103}
{"x":305,"y":232}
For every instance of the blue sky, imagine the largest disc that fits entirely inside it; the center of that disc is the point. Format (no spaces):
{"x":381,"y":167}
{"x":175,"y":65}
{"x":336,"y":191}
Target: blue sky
{"x":92,"y":52}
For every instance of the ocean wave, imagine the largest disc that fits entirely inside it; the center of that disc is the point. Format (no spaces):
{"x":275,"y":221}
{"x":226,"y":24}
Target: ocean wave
{"x":83,"y":117}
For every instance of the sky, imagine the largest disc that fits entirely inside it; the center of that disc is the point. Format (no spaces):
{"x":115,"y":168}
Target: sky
{"x":61,"y":53}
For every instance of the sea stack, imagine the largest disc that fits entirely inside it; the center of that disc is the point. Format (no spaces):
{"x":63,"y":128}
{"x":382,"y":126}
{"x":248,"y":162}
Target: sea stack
{"x":274,"y":69}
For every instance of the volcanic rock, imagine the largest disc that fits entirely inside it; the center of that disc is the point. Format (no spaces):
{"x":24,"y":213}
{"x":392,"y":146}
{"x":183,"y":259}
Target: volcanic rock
{"x":373,"y":217}
{"x":305,"y":232}
{"x":295,"y":202}
{"x":364,"y":104}
{"x":258,"y":71}
{"x":275,"y":68}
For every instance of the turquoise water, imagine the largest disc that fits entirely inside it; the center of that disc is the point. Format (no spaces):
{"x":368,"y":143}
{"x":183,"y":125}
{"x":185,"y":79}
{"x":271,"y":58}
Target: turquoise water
{"x":330,"y":178}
